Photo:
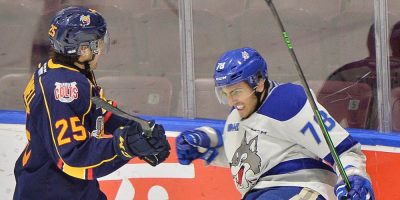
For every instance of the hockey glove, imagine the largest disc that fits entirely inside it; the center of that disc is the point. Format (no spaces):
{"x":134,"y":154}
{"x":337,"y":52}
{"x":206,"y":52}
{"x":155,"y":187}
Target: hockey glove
{"x":361,"y":189}
{"x":163,"y":155}
{"x":158,"y":138}
{"x":194,"y":144}
{"x":160,"y":142}
{"x":130,"y":141}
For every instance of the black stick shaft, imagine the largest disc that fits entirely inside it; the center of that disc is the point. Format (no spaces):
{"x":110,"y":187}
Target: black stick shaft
{"x":310,"y":97}
{"x":147,"y":126}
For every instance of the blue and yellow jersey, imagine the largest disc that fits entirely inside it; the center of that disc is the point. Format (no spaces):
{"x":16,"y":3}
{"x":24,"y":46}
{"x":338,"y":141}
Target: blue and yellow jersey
{"x":69,"y":145}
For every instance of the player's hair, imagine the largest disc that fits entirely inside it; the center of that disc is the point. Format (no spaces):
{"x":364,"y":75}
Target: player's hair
{"x":63,"y":59}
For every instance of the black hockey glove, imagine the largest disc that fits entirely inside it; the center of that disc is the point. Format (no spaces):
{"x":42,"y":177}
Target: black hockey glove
{"x":130,"y":141}
{"x":158,"y":138}
{"x":159,"y":141}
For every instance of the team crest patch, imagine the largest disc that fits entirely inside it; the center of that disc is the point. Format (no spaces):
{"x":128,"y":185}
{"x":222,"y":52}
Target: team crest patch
{"x":65,"y":92}
{"x":245,"y":55}
{"x":85,"y":20}
{"x":246,"y":163}
{"x":233,"y":127}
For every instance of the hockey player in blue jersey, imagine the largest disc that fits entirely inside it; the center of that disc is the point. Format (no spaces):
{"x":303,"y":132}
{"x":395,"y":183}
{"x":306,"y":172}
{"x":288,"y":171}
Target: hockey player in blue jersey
{"x":271,"y":140}
{"x":70,"y":141}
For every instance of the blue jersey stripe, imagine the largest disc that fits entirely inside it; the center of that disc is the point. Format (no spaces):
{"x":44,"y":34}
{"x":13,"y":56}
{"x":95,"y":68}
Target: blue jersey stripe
{"x":345,"y":145}
{"x":297,"y":164}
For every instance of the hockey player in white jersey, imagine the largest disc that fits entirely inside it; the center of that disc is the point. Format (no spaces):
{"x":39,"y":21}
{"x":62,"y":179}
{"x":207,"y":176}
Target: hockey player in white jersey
{"x":271,"y":140}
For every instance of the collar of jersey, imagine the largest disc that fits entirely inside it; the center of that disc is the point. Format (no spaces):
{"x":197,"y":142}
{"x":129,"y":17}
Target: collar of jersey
{"x":53,"y":65}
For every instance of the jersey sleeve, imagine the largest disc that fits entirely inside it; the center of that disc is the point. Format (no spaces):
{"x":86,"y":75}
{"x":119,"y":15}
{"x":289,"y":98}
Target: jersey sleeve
{"x":75,"y":151}
{"x":220,"y":160}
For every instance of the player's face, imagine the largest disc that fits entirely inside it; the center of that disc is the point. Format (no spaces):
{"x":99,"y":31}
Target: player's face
{"x":94,"y":62}
{"x":92,"y":53}
{"x":88,"y":57}
{"x":242,"y":97}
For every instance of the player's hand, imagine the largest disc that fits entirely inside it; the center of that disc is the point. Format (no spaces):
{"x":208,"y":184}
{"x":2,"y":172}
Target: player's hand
{"x":158,"y":138}
{"x":361,"y":189}
{"x":188,"y":144}
{"x":158,"y":141}
{"x":161,"y":156}
{"x":130,"y":141}
{"x":156,"y":159}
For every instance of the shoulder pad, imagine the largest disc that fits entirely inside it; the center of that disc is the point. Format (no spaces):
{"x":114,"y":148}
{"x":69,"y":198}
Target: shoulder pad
{"x":284,"y":102}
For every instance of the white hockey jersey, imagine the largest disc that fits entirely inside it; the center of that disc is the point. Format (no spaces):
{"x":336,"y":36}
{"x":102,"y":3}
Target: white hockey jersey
{"x":281,"y":144}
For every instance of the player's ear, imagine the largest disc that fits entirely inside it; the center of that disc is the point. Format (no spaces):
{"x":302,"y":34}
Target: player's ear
{"x":260,"y":85}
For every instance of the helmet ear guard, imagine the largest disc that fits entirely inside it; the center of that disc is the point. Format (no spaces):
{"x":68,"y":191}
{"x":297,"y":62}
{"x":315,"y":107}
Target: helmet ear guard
{"x":255,"y":79}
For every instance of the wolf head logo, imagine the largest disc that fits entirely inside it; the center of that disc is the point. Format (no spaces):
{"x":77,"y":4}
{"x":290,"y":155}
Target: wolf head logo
{"x":246,"y":163}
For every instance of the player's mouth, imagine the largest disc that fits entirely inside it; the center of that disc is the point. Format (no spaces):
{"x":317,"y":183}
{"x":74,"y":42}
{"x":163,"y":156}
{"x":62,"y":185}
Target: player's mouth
{"x":240,"y":175}
{"x":239,"y":107}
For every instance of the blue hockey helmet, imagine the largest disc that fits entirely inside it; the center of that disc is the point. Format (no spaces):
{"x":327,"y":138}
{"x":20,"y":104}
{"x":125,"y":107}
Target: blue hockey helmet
{"x":73,"y":27}
{"x":237,"y":65}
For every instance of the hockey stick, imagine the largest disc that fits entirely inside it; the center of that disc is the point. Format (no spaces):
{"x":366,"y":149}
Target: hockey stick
{"x":147,"y":126}
{"x":310,"y":97}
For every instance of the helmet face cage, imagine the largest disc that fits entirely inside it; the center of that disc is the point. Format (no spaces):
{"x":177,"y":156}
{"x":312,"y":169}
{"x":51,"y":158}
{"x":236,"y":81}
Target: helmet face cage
{"x":100,"y":46}
{"x":235,"y":66}
{"x":75,"y":27}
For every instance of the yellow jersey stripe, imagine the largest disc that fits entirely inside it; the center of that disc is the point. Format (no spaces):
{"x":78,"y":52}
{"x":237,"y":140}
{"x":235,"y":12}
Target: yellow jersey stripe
{"x":53,"y":65}
{"x":49,"y":116}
